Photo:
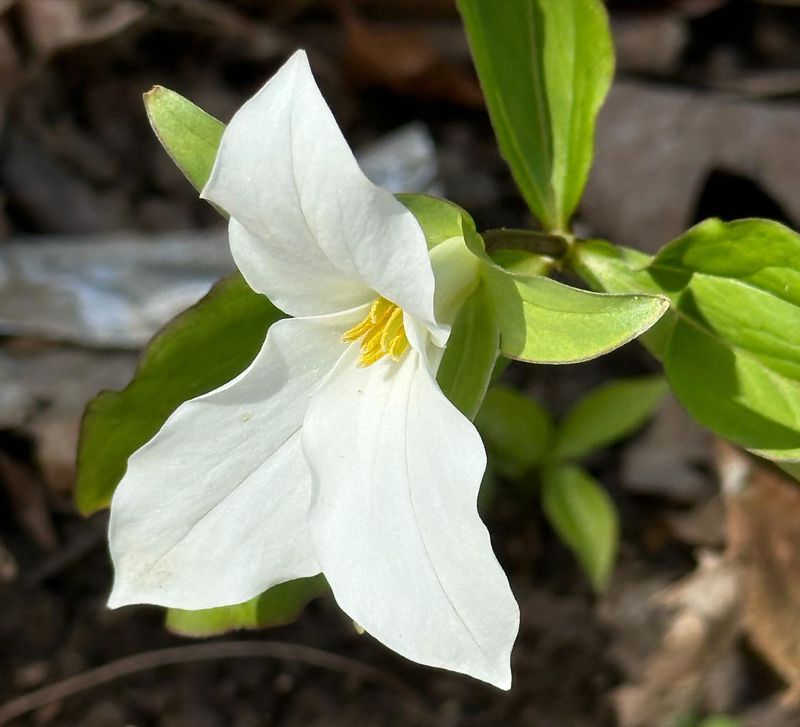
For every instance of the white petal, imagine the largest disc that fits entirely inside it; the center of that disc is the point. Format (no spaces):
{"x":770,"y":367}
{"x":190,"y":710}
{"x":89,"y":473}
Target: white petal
{"x":319,"y":235}
{"x":394,"y":519}
{"x":213,"y":510}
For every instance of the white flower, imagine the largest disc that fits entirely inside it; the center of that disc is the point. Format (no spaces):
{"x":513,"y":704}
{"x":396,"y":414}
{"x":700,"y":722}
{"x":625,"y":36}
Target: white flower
{"x":335,"y":451}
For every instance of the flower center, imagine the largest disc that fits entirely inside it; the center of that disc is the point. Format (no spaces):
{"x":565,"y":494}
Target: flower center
{"x":381,"y":333}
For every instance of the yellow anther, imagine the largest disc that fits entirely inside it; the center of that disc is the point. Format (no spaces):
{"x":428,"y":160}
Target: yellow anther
{"x":380,"y":309}
{"x":367,"y":359}
{"x":381,"y":333}
{"x":398,"y":346}
{"x":394,"y":324}
{"x":357,"y":331}
{"x":372,"y":341}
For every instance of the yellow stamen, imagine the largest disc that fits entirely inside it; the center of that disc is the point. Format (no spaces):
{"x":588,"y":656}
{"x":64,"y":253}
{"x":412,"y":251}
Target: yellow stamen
{"x":398,"y":346}
{"x":381,"y":333}
{"x":380,"y":309}
{"x":393,"y":325}
{"x":357,"y":331}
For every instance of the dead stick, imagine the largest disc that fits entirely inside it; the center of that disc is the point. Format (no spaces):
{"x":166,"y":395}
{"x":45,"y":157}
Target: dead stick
{"x":197,"y":652}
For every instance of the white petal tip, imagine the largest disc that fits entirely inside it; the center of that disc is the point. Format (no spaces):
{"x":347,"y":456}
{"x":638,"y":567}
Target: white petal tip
{"x":502,"y":681}
{"x":125,"y":592}
{"x":497,"y":675}
{"x":299,"y":56}
{"x":119,"y":598}
{"x":298,"y":59}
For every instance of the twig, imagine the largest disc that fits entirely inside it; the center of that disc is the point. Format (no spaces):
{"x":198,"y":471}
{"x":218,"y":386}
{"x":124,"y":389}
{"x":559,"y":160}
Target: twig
{"x":197,"y":652}
{"x":66,"y":556}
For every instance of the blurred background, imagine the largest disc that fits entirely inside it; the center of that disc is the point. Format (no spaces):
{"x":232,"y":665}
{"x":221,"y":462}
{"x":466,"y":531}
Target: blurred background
{"x":102,"y":241}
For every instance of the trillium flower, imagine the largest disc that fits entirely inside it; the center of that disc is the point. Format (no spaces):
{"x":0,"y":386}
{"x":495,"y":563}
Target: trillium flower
{"x":335,"y":451}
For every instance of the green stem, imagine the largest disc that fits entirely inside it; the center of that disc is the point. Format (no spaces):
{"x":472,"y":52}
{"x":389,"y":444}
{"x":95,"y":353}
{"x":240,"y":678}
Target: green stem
{"x":540,"y":243}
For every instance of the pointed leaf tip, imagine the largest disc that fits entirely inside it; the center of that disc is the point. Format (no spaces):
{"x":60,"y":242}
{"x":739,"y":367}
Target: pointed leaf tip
{"x":188,"y":134}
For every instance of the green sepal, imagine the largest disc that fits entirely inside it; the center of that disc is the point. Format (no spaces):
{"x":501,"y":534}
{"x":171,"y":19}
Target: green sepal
{"x":543,"y":321}
{"x":278,"y":606}
{"x":472,"y":348}
{"x":471,"y":353}
{"x":439,"y":218}
{"x":204,"y":347}
{"x":188,"y":134}
{"x":585,"y":518}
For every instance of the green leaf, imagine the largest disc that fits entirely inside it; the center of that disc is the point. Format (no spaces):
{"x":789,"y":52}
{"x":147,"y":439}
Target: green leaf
{"x":188,"y":134}
{"x":610,"y":268}
{"x":545,"y":68}
{"x":731,"y":343}
{"x":732,"y":352}
{"x":516,"y":430}
{"x":201,"y":349}
{"x":280,"y":605}
{"x":608,"y":414}
{"x":542,"y":321}
{"x":584,"y":516}
{"x":470,"y":355}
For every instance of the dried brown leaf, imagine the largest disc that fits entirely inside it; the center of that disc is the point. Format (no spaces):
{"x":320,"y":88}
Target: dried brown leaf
{"x":405,"y":61}
{"x":657,"y":147}
{"x":687,"y":632}
{"x":55,"y":24}
{"x":764,"y":538}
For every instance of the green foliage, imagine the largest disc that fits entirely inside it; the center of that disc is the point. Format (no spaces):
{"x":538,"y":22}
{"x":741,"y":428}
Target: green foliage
{"x":516,"y":430}
{"x":201,"y":349}
{"x":731,"y":343}
{"x":471,"y":354}
{"x":521,"y":436}
{"x":545,"y":68}
{"x":583,"y":515}
{"x":280,"y":605}
{"x":608,"y":414}
{"x":188,"y":134}
{"x":542,"y":321}
{"x":611,"y":268}
{"x":733,"y":350}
